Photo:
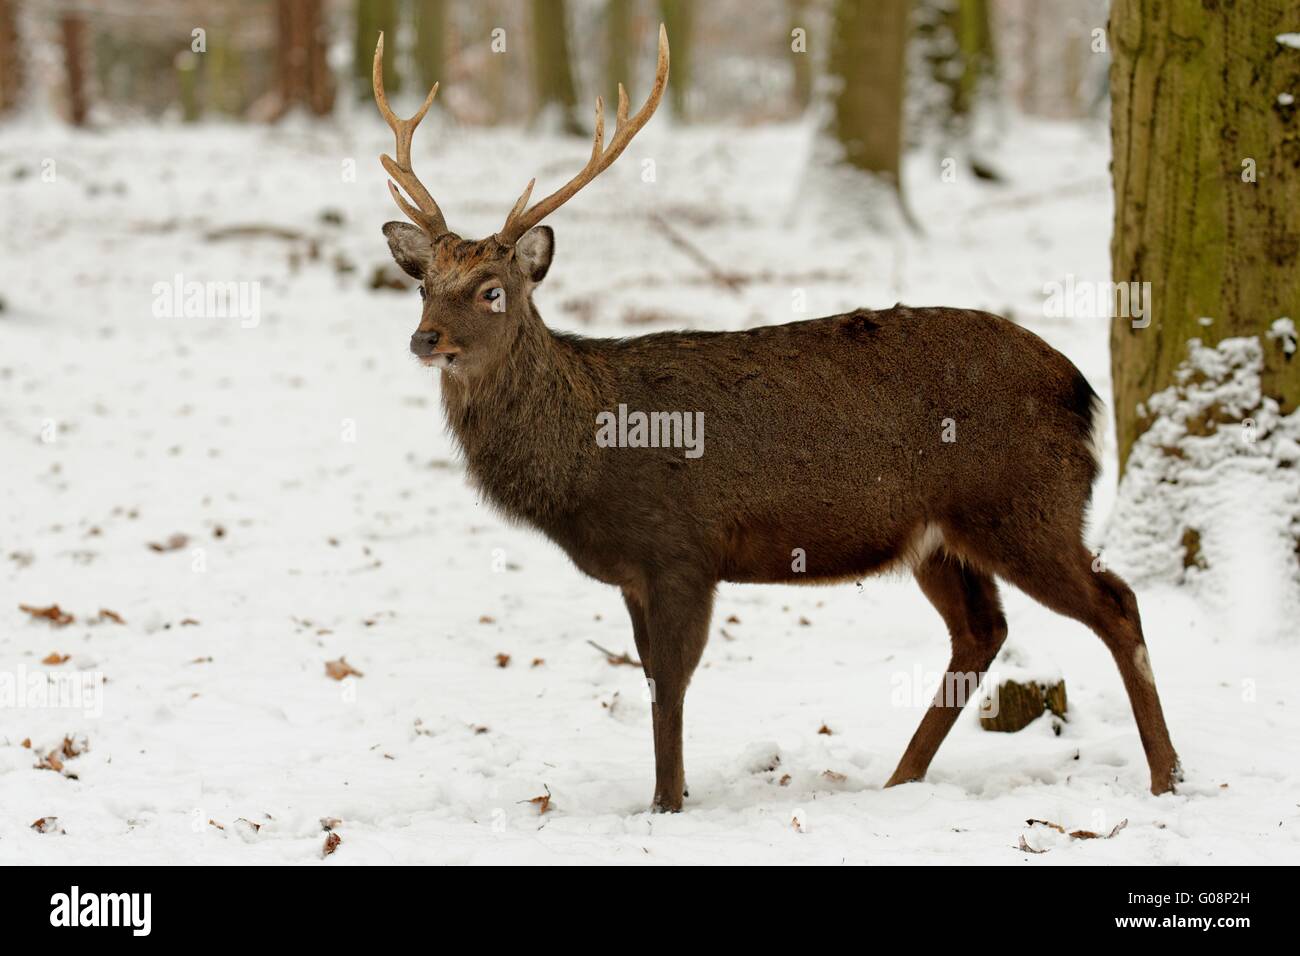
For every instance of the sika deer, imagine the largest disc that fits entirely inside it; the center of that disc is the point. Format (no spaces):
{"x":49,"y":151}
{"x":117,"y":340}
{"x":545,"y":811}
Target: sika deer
{"x":824,"y":435}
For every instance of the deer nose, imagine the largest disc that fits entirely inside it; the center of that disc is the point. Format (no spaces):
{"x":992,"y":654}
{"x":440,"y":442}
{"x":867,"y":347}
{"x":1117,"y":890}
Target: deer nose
{"x":422,"y":343}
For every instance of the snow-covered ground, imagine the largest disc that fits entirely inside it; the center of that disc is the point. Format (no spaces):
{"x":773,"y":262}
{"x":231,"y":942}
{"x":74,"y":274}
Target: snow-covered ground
{"x":325,"y":515}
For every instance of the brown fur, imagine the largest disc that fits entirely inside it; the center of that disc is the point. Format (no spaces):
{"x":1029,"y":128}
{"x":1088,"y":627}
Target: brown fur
{"x":822,"y":435}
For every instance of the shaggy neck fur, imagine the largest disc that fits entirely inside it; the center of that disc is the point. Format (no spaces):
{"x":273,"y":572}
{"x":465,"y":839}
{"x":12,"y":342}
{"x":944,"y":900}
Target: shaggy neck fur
{"x":525,"y":423}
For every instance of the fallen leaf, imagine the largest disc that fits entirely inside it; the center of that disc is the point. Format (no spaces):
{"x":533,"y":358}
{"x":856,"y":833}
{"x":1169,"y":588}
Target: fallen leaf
{"x":106,"y":615}
{"x":1047,"y":823}
{"x":784,"y":781}
{"x":825,"y":730}
{"x":174,"y":543}
{"x":340,"y":669}
{"x":54,"y":658}
{"x":732,"y":619}
{"x":1026,"y":847}
{"x":503,"y":660}
{"x":804,"y":622}
{"x":54,"y":614}
{"x":486,"y":619}
{"x":47,"y":825}
{"x":834,"y":776}
{"x":27,"y":742}
{"x":538,"y":661}
{"x":51,"y":761}
{"x":75,"y":746}
{"x":214,"y":823}
{"x":189,"y":622}
{"x":332,"y":841}
{"x":543,"y":803}
{"x":796,"y":825}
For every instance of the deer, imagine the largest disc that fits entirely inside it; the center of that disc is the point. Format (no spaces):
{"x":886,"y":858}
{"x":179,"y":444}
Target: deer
{"x":824,"y":439}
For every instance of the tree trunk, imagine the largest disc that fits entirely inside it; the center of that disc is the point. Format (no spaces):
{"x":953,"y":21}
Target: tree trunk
{"x":679,"y":21}
{"x":868,"y":57}
{"x":11,"y":65}
{"x":618,"y":50}
{"x":302,"y":73}
{"x":1207,"y":190}
{"x":431,"y":41}
{"x":372,"y":18}
{"x":551,"y":67}
{"x":72,"y":30}
{"x":801,"y":64}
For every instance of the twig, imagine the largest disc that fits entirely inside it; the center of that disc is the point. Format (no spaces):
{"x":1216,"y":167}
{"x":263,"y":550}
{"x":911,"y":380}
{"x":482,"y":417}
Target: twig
{"x":615,"y":659}
{"x":725,"y":279}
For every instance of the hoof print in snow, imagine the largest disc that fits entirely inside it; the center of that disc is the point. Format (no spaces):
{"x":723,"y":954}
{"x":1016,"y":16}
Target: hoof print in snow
{"x":1015,"y":705}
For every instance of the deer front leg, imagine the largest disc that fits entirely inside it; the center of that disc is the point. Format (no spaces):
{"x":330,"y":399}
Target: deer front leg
{"x":670,"y":630}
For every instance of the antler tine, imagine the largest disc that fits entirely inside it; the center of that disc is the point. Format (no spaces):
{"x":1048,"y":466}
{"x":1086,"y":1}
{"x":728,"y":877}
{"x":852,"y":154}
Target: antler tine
{"x":425,"y":213}
{"x":602,"y":157}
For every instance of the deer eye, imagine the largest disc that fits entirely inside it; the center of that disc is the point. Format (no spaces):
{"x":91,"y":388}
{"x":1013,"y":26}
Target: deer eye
{"x":424,"y":293}
{"x":493,"y":294}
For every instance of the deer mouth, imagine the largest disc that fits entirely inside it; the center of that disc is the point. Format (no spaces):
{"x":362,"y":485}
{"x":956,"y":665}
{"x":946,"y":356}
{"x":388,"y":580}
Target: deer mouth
{"x":443,"y":360}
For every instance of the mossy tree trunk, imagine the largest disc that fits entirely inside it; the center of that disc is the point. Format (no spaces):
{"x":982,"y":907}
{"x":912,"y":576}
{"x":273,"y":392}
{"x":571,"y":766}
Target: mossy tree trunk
{"x":431,"y":41}
{"x":868,"y":58}
{"x":618,"y":50}
{"x":679,"y":21}
{"x":373,"y":17}
{"x":552,"y":70}
{"x":1207,"y":188}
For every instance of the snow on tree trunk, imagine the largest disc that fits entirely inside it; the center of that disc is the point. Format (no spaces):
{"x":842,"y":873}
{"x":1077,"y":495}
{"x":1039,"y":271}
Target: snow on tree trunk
{"x":1207,"y":211}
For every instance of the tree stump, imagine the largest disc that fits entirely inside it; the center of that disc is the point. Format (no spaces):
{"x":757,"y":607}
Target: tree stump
{"x":1020,"y":703}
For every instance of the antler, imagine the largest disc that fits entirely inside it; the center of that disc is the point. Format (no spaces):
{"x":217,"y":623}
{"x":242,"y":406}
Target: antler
{"x":519,"y":221}
{"x":427,"y":216}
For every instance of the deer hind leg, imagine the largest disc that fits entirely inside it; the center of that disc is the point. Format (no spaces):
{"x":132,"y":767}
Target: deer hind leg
{"x":1063,"y":579}
{"x":967,"y":599}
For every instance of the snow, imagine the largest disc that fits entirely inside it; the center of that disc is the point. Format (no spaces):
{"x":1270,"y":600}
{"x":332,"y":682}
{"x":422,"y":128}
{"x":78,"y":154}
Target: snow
{"x":1289,"y":39}
{"x":326,"y":516}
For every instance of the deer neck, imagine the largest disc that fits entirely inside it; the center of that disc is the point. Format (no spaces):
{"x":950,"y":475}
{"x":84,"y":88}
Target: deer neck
{"x":525,"y":424}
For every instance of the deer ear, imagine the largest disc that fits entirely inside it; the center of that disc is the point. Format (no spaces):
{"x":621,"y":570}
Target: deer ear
{"x":533,"y":252}
{"x":410,"y":246}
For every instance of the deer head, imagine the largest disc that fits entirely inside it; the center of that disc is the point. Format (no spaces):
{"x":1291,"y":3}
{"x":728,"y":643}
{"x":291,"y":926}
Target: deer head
{"x":477,"y":293}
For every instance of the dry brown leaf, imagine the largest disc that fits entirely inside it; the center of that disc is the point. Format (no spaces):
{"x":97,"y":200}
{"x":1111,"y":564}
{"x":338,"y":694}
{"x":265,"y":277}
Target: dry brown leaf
{"x":189,"y":622}
{"x":538,"y":661}
{"x":784,"y":781}
{"x":732,"y":619}
{"x":27,"y":742}
{"x":1026,"y":847}
{"x":54,"y":658}
{"x":106,"y":615}
{"x":255,"y":826}
{"x":804,"y":622}
{"x":543,"y":803}
{"x":74,"y":746}
{"x":1047,"y":823}
{"x":834,"y":776}
{"x":825,"y":730}
{"x":486,"y":619}
{"x":796,"y":824}
{"x":214,"y":823}
{"x":332,"y":841}
{"x":340,"y":669}
{"x":174,"y":543}
{"x":51,"y":761}
{"x":503,"y":660}
{"x":54,"y":614}
{"x":47,"y":825}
